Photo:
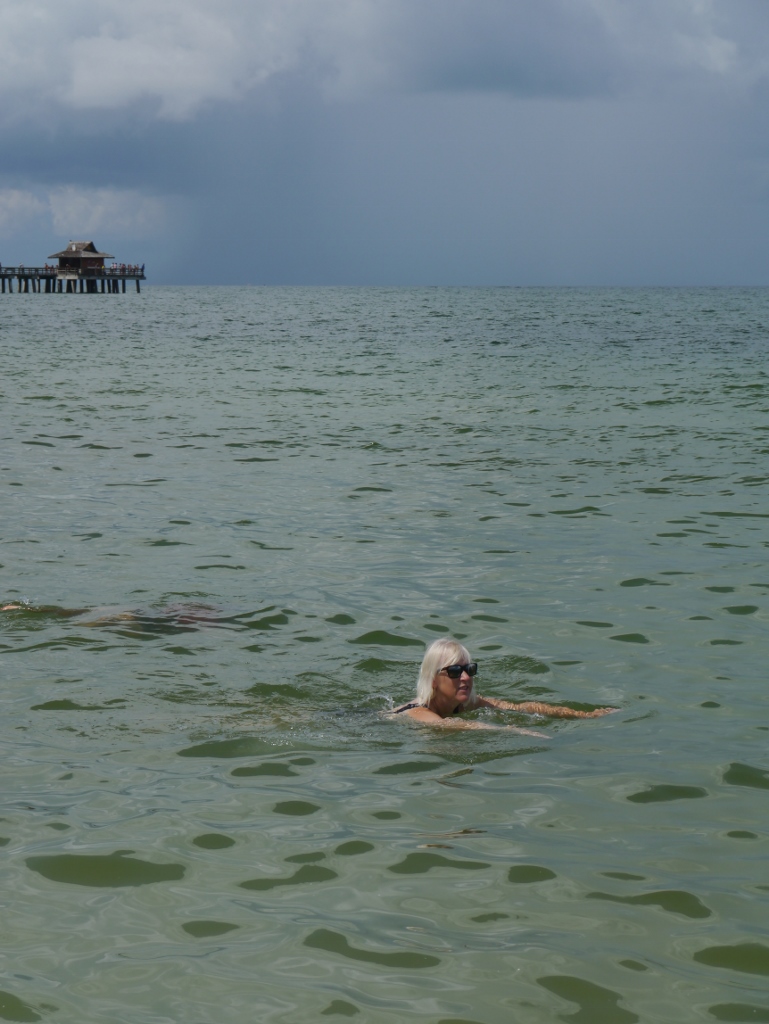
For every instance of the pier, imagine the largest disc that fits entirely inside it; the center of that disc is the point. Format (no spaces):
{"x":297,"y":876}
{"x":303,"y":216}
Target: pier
{"x":80,"y":270}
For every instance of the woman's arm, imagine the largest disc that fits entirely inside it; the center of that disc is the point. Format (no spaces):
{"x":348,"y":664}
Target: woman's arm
{"x":533,"y":707}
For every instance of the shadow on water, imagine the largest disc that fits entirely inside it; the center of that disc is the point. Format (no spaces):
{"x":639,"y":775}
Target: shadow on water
{"x":675,"y":902}
{"x":103,"y":871}
{"x":13,"y":1008}
{"x":742,"y":1013}
{"x":595,"y":1002}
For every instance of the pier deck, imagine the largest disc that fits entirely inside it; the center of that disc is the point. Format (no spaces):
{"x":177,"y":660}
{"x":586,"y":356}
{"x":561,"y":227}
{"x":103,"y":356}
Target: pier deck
{"x":50,"y":280}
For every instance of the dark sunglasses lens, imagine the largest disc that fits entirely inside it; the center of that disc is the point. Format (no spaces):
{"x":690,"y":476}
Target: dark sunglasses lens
{"x":455,"y":671}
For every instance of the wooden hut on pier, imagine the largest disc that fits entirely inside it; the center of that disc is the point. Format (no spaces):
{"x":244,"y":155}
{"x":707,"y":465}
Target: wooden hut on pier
{"x":81,"y":256}
{"x":81,"y":268}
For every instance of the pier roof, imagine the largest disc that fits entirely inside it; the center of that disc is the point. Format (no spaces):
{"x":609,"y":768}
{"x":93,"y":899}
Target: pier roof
{"x":80,"y":250}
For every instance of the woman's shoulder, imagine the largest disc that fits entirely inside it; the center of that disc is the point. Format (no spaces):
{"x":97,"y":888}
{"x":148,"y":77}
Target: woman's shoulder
{"x":414,"y":709}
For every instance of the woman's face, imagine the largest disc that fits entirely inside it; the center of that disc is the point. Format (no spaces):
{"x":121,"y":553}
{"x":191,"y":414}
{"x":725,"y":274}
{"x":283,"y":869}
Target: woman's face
{"x":459,"y":689}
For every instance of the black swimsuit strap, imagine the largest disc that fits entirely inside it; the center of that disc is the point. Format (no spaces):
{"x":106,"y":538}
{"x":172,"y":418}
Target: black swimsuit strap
{"x":416,"y":704}
{"x":407,"y":707}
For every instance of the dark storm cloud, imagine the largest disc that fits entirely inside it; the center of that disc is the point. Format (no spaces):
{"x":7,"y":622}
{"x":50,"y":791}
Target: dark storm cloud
{"x":547,"y":48}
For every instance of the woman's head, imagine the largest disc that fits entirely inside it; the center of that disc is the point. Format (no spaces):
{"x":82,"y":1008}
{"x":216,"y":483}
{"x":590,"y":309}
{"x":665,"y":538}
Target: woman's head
{"x":440,"y":653}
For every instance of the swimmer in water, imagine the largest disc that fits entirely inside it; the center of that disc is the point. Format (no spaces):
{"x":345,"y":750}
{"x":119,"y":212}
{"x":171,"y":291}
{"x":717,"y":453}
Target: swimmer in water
{"x":173,"y":618}
{"x":445,"y":690}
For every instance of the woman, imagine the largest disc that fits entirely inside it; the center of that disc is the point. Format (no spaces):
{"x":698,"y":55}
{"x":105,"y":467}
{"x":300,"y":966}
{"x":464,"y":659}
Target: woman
{"x":445,"y":689}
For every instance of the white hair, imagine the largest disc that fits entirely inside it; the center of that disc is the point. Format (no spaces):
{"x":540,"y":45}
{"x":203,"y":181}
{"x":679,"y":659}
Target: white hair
{"x":440,"y":653}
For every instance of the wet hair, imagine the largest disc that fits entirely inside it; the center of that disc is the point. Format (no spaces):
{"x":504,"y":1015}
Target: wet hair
{"x":440,"y":653}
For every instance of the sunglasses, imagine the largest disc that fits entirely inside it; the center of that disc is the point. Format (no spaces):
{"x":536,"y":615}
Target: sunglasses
{"x":455,"y":671}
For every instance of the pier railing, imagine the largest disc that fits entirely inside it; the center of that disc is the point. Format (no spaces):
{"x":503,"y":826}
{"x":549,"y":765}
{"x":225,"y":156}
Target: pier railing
{"x":118,"y":271}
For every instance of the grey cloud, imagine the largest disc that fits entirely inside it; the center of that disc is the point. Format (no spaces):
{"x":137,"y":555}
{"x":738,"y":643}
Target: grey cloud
{"x":547,"y":48}
{"x":175,"y":59}
{"x":573,"y":49}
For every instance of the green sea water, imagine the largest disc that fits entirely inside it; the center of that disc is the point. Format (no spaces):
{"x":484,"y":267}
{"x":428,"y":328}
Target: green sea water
{"x":234,"y":518}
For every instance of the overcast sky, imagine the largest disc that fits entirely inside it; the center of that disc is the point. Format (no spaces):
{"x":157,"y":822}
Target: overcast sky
{"x":500,"y":142}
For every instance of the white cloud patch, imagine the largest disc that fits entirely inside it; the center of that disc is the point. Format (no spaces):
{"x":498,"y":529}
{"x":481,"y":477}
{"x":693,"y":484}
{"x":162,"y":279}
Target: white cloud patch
{"x":83,"y":212}
{"x":18,"y":208}
{"x":680,"y":35}
{"x":181,"y":55}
